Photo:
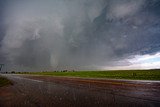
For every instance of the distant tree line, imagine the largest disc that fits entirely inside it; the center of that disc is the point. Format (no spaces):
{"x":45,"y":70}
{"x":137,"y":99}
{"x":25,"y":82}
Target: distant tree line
{"x":14,"y":72}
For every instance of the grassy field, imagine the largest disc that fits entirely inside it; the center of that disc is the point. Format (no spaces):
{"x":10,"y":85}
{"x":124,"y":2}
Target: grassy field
{"x":121,"y":74}
{"x":4,"y":81}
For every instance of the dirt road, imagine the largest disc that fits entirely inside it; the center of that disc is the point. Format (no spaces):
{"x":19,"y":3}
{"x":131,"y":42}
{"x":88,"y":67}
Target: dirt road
{"x":47,"y":91}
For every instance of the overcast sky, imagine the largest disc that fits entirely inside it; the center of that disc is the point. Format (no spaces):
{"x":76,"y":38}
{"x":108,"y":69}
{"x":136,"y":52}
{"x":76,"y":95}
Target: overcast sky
{"x":37,"y":35}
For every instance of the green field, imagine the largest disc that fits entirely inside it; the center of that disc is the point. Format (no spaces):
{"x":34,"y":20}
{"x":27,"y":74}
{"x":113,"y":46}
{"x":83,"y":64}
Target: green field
{"x":4,"y":81}
{"x":120,"y":74}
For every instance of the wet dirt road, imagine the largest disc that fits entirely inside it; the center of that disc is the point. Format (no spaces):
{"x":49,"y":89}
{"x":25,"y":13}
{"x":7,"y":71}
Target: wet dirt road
{"x":47,"y":91}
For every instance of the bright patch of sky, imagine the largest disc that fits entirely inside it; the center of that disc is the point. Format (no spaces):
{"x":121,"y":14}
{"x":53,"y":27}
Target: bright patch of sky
{"x":140,"y":62}
{"x":146,"y":58}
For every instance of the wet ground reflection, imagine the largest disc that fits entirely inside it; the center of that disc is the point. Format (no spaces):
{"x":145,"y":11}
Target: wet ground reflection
{"x":31,"y":93}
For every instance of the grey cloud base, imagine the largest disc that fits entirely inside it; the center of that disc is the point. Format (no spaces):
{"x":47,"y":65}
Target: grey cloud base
{"x":77,"y":34}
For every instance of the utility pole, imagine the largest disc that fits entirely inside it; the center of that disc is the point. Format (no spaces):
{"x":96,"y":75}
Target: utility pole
{"x":1,"y":65}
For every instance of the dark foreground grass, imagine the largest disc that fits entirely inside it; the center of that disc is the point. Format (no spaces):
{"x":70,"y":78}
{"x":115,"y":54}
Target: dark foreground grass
{"x":4,"y":81}
{"x":119,"y":74}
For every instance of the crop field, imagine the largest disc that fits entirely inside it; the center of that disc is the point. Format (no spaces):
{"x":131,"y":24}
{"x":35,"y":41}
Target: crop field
{"x":118,"y":74}
{"x":4,"y":81}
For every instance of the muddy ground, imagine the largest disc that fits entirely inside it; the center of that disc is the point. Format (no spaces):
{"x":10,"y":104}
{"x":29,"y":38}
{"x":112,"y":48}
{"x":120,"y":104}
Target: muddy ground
{"x":47,"y":91}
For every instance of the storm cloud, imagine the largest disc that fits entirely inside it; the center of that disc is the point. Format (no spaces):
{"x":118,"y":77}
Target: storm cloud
{"x":77,"y":34}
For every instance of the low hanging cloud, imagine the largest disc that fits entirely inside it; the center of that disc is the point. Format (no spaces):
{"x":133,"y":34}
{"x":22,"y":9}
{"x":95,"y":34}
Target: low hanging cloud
{"x":123,"y":8}
{"x":77,"y":34}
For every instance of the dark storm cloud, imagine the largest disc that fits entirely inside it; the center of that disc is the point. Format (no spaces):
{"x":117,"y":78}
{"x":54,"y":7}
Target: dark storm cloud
{"x":78,"y":34}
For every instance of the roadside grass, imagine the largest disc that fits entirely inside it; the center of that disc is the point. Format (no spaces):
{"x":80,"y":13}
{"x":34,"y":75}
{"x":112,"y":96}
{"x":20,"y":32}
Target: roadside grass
{"x":4,"y":81}
{"x":118,"y":74}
